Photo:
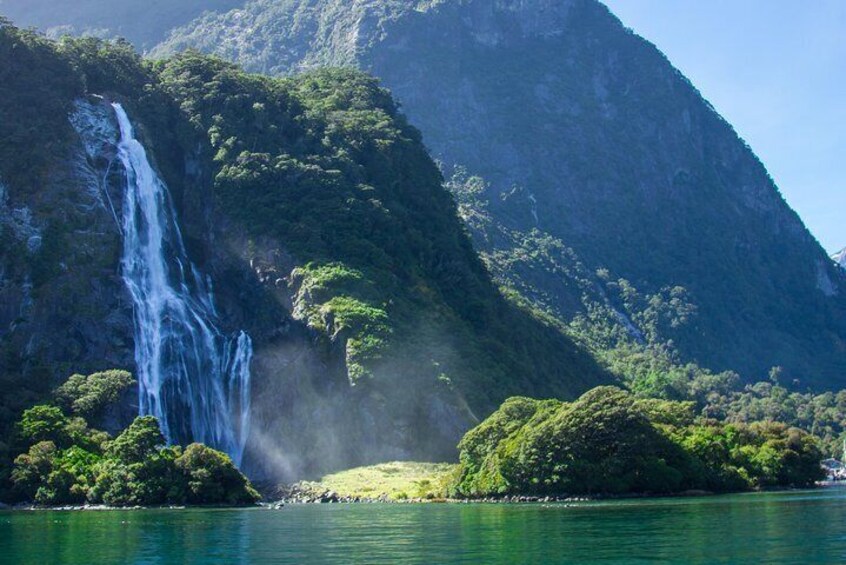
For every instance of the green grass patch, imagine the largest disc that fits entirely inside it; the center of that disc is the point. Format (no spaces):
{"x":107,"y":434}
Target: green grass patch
{"x":398,"y":480}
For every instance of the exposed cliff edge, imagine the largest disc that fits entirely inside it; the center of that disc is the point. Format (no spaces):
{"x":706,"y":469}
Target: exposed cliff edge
{"x":321,"y":222}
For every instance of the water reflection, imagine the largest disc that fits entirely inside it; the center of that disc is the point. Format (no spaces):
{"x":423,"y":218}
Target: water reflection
{"x":775,"y":528}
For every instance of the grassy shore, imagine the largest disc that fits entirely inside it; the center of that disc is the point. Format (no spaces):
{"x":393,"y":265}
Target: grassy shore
{"x":398,"y":480}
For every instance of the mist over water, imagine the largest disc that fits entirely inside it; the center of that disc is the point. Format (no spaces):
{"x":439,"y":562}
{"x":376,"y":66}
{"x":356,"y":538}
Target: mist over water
{"x":193,"y":378}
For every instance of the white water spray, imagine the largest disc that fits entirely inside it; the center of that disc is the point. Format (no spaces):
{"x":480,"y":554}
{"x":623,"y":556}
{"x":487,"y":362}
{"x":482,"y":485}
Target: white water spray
{"x":194,"y":379}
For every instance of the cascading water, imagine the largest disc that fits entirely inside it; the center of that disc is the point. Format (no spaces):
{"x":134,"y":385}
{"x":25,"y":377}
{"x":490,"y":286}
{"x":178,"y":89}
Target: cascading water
{"x":194,"y":379}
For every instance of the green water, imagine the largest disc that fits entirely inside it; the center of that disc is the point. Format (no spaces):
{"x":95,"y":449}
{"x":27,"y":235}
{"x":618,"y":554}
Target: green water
{"x":796,"y":527}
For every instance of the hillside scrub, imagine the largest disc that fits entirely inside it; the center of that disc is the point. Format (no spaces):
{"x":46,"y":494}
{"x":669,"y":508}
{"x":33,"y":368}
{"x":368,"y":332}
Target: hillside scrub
{"x":610,"y":442}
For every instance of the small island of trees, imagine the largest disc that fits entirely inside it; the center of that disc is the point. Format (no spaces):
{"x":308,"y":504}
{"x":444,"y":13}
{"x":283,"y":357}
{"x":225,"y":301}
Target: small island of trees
{"x":64,"y":461}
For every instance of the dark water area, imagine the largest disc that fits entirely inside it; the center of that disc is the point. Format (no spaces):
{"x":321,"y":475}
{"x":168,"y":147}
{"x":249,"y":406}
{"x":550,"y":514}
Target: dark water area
{"x":786,"y":527}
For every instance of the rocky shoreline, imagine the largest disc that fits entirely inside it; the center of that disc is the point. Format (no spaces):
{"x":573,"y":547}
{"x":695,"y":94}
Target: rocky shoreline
{"x":83,"y":507}
{"x":333,"y":498}
{"x":296,"y":495}
{"x":29,"y":507}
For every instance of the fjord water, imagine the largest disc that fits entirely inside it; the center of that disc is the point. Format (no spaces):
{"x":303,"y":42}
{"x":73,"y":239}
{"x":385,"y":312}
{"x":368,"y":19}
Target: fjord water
{"x":195,"y":380}
{"x":792,"y":527}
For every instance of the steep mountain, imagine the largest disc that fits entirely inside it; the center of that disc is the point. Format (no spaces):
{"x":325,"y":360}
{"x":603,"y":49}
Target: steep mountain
{"x":840,"y":258}
{"x":143,"y":23}
{"x":597,"y":182}
{"x":222,"y":234}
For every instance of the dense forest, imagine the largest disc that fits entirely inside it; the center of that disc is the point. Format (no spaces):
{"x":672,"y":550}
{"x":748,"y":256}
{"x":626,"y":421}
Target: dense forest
{"x":610,"y":442}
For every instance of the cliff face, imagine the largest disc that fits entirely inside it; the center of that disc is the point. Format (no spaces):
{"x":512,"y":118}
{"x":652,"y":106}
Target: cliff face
{"x":63,"y":302}
{"x":318,"y":218}
{"x":590,"y":156}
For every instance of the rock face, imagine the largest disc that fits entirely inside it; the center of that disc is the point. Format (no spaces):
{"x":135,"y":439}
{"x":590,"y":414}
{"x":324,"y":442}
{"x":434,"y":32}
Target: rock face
{"x":592,"y":152}
{"x":62,"y":302}
{"x":840,"y":258}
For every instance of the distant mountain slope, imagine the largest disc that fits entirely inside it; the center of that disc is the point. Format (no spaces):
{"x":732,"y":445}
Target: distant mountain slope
{"x":599,"y":170}
{"x":840,"y":258}
{"x":143,"y":23}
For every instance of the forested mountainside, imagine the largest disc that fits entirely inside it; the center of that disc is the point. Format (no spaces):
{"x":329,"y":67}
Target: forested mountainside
{"x":312,"y":210}
{"x":596,"y":181}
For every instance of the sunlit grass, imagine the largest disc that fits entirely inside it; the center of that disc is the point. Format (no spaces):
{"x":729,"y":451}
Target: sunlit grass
{"x":398,"y":480}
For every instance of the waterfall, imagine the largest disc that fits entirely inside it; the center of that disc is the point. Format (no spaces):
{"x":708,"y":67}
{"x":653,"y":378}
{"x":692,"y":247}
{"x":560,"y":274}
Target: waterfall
{"x":193,"y":378}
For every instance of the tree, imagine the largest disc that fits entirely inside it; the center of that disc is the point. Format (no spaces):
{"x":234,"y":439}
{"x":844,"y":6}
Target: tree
{"x":601,"y":443}
{"x":32,"y":469}
{"x":138,"y":469}
{"x":88,"y":396}
{"x":44,"y":423}
{"x":137,"y":443}
{"x":212,"y":478}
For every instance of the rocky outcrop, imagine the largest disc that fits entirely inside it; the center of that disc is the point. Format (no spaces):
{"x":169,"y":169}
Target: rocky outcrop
{"x":61,"y":294}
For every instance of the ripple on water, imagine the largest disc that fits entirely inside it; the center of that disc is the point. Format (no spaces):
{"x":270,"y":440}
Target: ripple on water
{"x":796,"y":527}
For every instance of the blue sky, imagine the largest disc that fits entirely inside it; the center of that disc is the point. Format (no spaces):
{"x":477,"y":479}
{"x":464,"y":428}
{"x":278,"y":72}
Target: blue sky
{"x":775,"y":69}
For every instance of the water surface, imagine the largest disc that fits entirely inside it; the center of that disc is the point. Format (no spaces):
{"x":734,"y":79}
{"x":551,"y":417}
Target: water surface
{"x":794,"y":527}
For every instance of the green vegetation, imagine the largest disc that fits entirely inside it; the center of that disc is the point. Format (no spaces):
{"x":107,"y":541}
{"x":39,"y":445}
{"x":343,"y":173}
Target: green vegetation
{"x":87,"y":396}
{"x":324,"y":300}
{"x":324,"y":163}
{"x":823,"y":415}
{"x":66,"y":462}
{"x":610,"y":442}
{"x":399,"y":480}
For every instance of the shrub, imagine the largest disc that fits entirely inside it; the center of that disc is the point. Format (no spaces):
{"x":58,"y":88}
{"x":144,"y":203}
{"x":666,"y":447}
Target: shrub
{"x":87,"y":396}
{"x":212,"y":478}
{"x":44,"y":423}
{"x":608,"y":441}
{"x":32,"y":469}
